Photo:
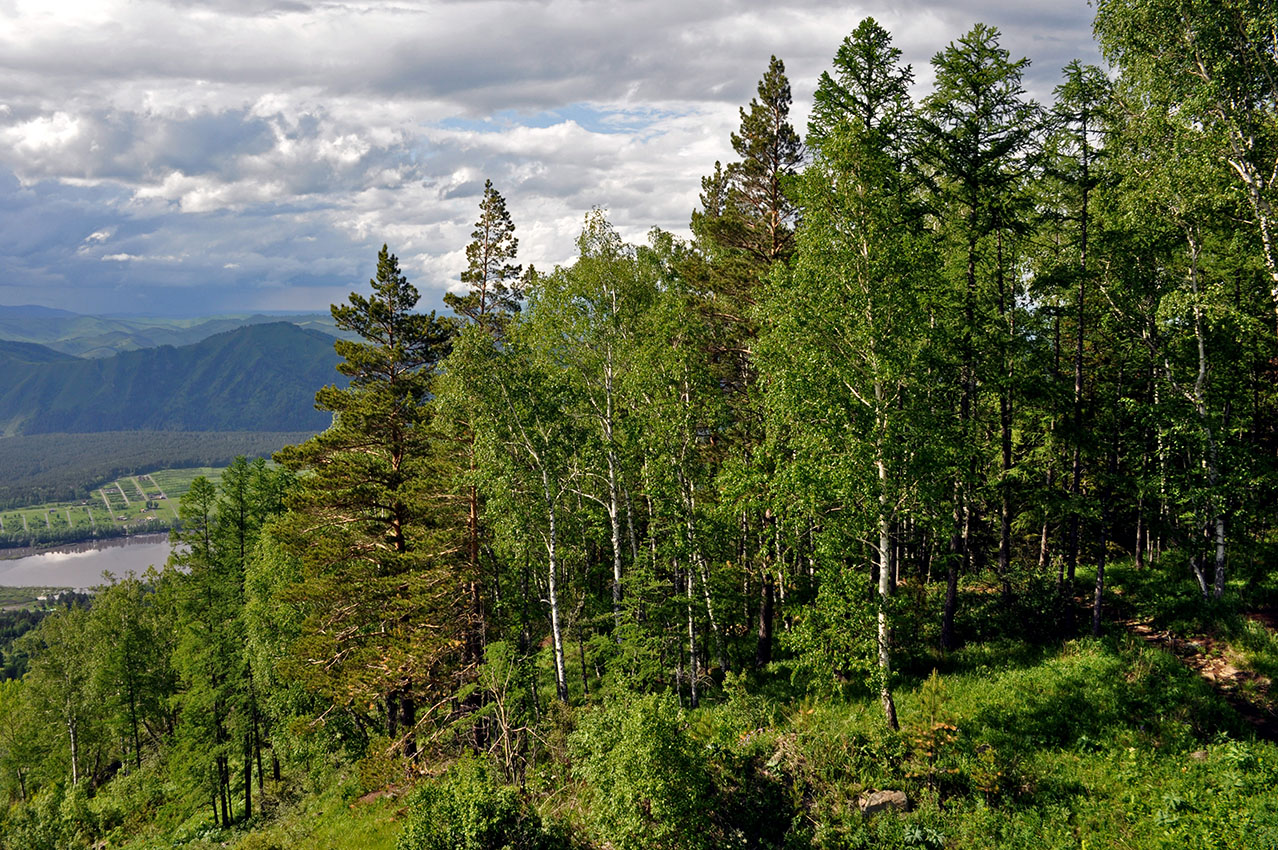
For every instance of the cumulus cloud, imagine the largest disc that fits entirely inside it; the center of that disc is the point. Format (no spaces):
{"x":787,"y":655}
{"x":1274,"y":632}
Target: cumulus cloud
{"x":242,"y":154}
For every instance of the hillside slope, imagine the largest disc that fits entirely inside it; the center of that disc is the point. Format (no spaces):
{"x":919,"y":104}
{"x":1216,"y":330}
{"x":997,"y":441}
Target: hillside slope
{"x":16,"y":353}
{"x":256,"y":378}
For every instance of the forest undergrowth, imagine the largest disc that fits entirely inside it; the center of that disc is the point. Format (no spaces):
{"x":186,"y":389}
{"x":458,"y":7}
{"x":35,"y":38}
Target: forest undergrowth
{"x":1017,"y":739}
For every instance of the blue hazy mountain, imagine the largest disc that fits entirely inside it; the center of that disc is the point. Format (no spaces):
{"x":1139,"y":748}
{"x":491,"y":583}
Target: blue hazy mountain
{"x":259,"y":377}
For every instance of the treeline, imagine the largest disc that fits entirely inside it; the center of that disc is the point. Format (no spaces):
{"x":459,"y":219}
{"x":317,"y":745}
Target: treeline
{"x":40,"y":535}
{"x":75,"y":335}
{"x":66,"y":467}
{"x":17,"y":621}
{"x":964,"y":347}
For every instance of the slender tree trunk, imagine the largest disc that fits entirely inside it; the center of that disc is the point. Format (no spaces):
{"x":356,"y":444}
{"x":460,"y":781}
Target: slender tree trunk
{"x":472,"y":556}
{"x":1106,"y":498}
{"x":408,"y":721}
{"x":630,"y":525}
{"x":1100,"y":583}
{"x":248,"y":776}
{"x":1007,"y":309}
{"x":75,"y":751}
{"x":698,"y":559}
{"x":614,"y":520}
{"x":614,"y":490}
{"x":556,"y":632}
{"x":1214,"y":499}
{"x":885,"y":582}
{"x":133,"y":724}
{"x":1141,"y":530}
{"x":763,"y":642}
{"x":581,"y":654}
{"x":1255,"y":185}
{"x":693,"y":668}
{"x":223,"y":783}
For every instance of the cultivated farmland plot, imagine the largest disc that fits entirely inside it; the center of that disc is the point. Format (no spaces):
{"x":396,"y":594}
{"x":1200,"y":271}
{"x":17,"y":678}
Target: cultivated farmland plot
{"x":132,"y":504}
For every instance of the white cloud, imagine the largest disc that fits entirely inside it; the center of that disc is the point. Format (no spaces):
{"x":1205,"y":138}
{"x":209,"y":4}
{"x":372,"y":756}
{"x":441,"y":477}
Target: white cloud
{"x":46,"y":133}
{"x":275,"y":144}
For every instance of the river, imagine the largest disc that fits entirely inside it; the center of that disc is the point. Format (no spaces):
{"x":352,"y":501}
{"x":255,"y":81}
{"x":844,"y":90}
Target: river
{"x":81,"y":564}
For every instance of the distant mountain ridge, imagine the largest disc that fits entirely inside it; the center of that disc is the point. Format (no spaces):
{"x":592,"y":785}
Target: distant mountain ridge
{"x":29,"y":352}
{"x":261,"y":377}
{"x":103,"y":336}
{"x":35,"y":310}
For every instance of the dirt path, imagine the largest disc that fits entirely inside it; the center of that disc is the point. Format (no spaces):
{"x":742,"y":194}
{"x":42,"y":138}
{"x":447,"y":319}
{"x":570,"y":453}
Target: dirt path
{"x":105,"y":500}
{"x":157,"y":487}
{"x":165,"y":496}
{"x":123,"y":495}
{"x":146,"y":497}
{"x":1250,"y":694}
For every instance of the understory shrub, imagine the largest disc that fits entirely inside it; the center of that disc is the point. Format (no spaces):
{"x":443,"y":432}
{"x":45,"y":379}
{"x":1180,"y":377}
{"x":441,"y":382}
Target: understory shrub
{"x":647,"y":784}
{"x":469,"y":809}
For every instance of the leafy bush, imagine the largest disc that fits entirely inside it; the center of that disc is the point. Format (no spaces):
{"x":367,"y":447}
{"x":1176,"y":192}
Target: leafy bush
{"x":57,"y":819}
{"x":646,"y":784}
{"x":468,"y":809}
{"x":755,"y":805}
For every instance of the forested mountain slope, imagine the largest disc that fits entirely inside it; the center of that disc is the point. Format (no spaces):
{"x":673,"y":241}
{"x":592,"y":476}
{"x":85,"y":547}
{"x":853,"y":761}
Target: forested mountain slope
{"x":16,"y":353}
{"x":257,"y":378}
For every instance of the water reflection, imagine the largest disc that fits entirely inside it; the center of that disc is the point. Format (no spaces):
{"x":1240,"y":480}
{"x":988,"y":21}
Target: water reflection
{"x":82,"y":564}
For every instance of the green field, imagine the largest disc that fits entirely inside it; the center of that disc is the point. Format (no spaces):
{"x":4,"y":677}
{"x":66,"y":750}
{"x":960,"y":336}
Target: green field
{"x":176,"y":482}
{"x":130,"y":504}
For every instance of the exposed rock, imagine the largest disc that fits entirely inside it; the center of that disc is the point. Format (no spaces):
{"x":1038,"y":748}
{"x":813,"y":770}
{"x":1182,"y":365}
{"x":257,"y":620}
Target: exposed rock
{"x":1198,"y":755}
{"x":877,"y":801}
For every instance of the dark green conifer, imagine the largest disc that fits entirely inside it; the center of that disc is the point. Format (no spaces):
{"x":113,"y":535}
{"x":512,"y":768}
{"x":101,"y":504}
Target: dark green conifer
{"x":495,"y":290}
{"x":366,"y":521}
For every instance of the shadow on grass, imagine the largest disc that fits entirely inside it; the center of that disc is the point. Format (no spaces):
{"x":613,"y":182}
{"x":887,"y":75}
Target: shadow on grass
{"x":1101,"y":694}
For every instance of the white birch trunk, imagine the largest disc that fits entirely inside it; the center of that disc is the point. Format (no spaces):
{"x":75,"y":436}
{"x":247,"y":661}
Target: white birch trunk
{"x":556,"y":631}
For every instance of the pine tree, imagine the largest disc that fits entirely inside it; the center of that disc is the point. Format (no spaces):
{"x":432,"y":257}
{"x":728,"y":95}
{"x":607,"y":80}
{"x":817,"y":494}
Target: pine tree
{"x":369,"y":522}
{"x":744,"y":229}
{"x":747,"y":222}
{"x":493,"y":300}
{"x":495,"y":290}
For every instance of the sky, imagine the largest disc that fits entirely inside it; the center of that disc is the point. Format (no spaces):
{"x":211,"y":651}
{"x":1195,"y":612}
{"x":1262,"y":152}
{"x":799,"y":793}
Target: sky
{"x":195,"y":157}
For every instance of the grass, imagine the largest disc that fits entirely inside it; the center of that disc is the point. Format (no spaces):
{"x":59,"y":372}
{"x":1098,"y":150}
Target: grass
{"x":1093,"y":743}
{"x":326,"y":820}
{"x":131,"y":489}
{"x":1010,"y":741}
{"x":1101,"y":743}
{"x":23,"y":597}
{"x":176,"y":482}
